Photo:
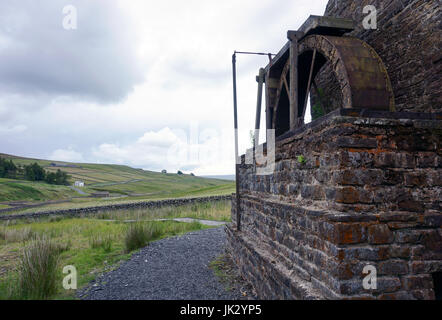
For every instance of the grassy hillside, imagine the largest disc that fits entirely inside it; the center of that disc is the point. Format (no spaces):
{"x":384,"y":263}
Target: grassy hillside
{"x":17,"y":190}
{"x":119,"y":180}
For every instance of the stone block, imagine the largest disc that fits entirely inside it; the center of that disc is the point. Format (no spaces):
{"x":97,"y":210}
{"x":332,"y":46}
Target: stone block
{"x":379,"y":234}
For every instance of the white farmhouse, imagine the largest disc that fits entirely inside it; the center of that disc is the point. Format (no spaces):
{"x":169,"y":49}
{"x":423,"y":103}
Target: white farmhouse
{"x":79,"y":184}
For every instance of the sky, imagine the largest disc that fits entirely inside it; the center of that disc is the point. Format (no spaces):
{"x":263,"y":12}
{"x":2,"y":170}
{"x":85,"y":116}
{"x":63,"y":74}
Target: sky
{"x":142,"y":83}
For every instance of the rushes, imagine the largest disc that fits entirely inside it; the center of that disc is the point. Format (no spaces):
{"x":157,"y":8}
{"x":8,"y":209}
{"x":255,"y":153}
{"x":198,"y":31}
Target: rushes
{"x":104,"y":242}
{"x":16,"y":235}
{"x":38,"y":269}
{"x":138,"y":235}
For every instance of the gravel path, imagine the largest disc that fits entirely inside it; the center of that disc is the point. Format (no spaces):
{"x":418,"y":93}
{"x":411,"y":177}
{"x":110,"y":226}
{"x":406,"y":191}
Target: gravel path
{"x":172,"y":268}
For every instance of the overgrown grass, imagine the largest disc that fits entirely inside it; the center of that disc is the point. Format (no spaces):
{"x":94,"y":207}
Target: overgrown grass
{"x":103,"y":242}
{"x":91,"y":245}
{"x":15,"y":235}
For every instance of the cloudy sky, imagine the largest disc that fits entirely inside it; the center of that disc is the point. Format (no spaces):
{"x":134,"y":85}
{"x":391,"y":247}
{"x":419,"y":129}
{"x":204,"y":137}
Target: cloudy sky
{"x":140,"y":82}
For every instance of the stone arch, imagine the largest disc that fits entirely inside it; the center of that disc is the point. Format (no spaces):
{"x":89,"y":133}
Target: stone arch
{"x":361,"y":74}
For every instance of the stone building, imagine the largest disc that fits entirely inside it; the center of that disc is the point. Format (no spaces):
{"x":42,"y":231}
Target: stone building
{"x":357,"y":192}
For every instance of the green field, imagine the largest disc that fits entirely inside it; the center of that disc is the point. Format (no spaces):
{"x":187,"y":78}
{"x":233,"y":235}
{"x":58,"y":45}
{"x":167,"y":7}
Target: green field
{"x":122,"y":182}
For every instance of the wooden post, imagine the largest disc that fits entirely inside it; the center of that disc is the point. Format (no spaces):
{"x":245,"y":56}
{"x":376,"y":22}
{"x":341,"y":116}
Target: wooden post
{"x":293,"y":36}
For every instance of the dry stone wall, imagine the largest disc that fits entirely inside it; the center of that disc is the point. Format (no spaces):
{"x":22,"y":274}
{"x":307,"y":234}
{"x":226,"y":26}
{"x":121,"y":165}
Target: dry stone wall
{"x":131,"y":205}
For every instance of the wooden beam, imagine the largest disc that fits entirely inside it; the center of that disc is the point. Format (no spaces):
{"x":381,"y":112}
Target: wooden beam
{"x":278,"y":58}
{"x":293,"y":37}
{"x":279,"y":91}
{"x":327,"y":26}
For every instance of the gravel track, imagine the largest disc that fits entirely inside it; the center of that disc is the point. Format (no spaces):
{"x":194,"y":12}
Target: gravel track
{"x":169,"y":269}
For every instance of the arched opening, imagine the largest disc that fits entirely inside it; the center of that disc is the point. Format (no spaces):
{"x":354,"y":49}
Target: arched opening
{"x":282,"y":123}
{"x":325,"y":92}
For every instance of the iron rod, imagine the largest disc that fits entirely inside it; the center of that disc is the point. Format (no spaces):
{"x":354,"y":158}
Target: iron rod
{"x":235,"y":125}
{"x":257,"y":53}
{"x":258,"y":107}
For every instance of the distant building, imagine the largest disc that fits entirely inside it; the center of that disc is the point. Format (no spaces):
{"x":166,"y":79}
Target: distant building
{"x":79,"y":184}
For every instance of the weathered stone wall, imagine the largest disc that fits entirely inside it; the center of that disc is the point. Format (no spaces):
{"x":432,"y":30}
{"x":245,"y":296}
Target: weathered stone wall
{"x":369,"y":193}
{"x":408,"y":40}
{"x":75,"y":212}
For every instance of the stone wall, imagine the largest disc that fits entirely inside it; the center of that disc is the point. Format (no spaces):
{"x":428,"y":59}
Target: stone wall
{"x":408,"y":40}
{"x":369,"y":193}
{"x":131,"y":205}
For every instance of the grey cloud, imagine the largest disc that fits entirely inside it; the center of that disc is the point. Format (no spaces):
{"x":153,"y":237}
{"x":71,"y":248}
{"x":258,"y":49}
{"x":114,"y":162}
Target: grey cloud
{"x":95,"y":62}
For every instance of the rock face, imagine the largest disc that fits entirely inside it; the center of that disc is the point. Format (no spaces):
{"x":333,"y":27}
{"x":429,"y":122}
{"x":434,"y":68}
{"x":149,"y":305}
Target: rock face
{"x":368,"y":194}
{"x":408,"y":39}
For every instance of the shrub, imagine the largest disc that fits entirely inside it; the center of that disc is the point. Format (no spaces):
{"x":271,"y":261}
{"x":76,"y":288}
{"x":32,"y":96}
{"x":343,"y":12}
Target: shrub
{"x":138,"y":235}
{"x":38,"y":269}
